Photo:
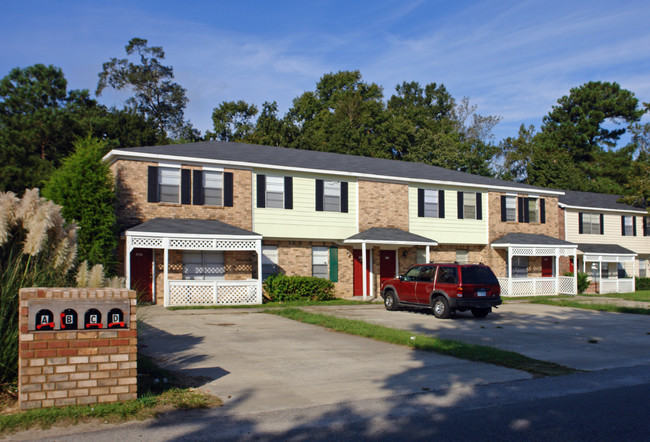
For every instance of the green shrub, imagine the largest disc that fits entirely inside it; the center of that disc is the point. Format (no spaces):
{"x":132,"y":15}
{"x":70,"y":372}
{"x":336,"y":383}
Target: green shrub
{"x":642,"y":284}
{"x":293,"y":288}
{"x":583,"y":281}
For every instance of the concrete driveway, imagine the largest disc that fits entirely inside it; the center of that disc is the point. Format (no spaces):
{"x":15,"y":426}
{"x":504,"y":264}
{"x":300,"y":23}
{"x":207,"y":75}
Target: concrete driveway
{"x":260,"y":362}
{"x":583,"y":339}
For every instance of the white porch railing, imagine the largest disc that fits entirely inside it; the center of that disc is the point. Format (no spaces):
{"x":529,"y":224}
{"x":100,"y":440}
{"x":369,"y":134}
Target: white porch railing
{"x":187,"y":293}
{"x":623,"y":285}
{"x":537,"y":286}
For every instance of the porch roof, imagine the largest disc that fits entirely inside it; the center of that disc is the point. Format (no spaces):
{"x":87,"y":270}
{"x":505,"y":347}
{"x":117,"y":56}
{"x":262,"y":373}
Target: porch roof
{"x":604,"y":249}
{"x":191,"y":227}
{"x":531,"y":240}
{"x":382,"y":235}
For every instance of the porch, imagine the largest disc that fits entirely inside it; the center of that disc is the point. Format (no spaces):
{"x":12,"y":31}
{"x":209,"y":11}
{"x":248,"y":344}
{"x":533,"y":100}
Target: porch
{"x":200,"y":276}
{"x":549,"y":250}
{"x":611,"y":268}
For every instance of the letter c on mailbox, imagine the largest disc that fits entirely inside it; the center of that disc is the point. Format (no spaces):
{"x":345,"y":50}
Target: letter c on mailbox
{"x":93,"y":318}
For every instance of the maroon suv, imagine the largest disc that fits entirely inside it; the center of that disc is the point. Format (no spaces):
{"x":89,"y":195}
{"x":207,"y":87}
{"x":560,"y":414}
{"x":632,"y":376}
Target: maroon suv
{"x":445,"y":288}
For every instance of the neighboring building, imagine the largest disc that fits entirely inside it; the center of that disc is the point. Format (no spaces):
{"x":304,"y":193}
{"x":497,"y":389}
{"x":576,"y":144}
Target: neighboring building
{"x":613,"y":239}
{"x":206,"y":222}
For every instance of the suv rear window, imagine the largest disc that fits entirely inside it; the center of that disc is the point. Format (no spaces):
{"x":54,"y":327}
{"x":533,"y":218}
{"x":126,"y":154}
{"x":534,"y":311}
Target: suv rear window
{"x":478,"y":275}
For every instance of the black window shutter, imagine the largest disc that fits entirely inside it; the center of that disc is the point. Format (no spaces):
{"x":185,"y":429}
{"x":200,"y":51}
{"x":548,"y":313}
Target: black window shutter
{"x":526,"y":212}
{"x":623,"y":225}
{"x":504,"y":215}
{"x":460,"y":205}
{"x":580,"y":229}
{"x":520,"y":209}
{"x":645,"y":226}
{"x":228,"y":189}
{"x":441,"y":204}
{"x":288,"y":192}
{"x":319,"y":195}
{"x":197,"y":187}
{"x":602,"y":224}
{"x":479,"y":205}
{"x":634,"y":226}
{"x":152,"y":185}
{"x":542,"y":210}
{"x":420,"y":203}
{"x":186,"y":186}
{"x":344,"y":196}
{"x":261,"y":190}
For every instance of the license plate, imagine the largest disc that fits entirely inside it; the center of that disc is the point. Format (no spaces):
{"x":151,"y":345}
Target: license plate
{"x":481,"y":293}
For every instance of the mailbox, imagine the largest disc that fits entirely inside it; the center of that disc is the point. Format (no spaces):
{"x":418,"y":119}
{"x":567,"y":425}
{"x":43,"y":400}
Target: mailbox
{"x":116,"y":318}
{"x":93,"y":318}
{"x":68,"y":319}
{"x":44,"y":320}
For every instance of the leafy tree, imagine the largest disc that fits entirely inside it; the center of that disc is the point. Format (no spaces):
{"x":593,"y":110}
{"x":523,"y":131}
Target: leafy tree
{"x":83,"y":186}
{"x":39,"y":119}
{"x":156,"y":96}
{"x":269,"y":129}
{"x":232,"y":121}
{"x":515,"y":155}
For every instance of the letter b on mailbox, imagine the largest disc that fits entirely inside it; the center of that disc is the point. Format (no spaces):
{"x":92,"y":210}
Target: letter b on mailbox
{"x":68,"y":319}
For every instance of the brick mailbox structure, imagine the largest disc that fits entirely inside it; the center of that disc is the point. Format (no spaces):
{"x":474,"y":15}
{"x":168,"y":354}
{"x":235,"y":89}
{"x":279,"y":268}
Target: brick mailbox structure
{"x":77,"y":346}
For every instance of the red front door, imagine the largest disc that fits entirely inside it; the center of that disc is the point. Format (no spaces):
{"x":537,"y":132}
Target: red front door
{"x":387,"y":265}
{"x":358,"y":272}
{"x":547,"y":266}
{"x":141,"y":273}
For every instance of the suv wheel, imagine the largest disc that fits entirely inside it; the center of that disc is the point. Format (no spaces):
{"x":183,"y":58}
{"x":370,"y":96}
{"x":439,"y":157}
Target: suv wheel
{"x":441,"y":308}
{"x":390,"y":301}
{"x":480,"y":312}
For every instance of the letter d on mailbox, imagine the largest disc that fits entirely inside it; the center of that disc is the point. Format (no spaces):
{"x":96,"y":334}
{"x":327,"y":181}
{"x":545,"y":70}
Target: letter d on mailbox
{"x":93,"y":318}
{"x":116,"y":319}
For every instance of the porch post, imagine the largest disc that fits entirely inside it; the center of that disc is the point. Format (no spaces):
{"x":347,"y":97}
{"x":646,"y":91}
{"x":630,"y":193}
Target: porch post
{"x":634,"y":274}
{"x":371,"y":292}
{"x":575,"y":271}
{"x":557,"y":271}
{"x":600,"y":274}
{"x":364,"y":283}
{"x":428,"y":250}
{"x":127,"y":261}
{"x":510,"y":271}
{"x":166,"y":271}
{"x":258,"y":249}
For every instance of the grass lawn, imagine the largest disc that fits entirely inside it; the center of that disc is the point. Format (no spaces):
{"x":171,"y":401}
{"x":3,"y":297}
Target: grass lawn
{"x":159,"y":390}
{"x":274,"y":304}
{"x":641,"y":296}
{"x":472,"y":352}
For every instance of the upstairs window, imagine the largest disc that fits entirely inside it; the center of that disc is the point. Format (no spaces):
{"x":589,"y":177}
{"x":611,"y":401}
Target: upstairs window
{"x":591,"y":223}
{"x":646,"y":226}
{"x":508,"y":208}
{"x":628,"y":225}
{"x":168,"y":184}
{"x":469,"y":205}
{"x":331,"y":196}
{"x":275,"y":191}
{"x":213,"y":188}
{"x":431,"y":203}
{"x":531,"y":210}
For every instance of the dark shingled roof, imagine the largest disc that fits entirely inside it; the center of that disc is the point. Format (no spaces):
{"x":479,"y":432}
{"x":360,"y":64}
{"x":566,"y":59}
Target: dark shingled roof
{"x":609,"y":249}
{"x":595,"y":200}
{"x":190,"y":226}
{"x":309,"y":159}
{"x":381,"y":234}
{"x":531,"y":239}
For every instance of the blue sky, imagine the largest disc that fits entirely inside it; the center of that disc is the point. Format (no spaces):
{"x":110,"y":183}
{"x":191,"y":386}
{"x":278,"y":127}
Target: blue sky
{"x":513,"y":59}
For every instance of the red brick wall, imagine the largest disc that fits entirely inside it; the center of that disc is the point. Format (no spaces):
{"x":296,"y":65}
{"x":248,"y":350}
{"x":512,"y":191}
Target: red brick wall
{"x":59,"y":368}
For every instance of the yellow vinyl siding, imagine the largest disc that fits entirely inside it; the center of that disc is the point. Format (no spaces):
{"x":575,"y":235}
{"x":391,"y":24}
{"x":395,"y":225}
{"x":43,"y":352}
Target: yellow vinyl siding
{"x":450,"y":229}
{"x":303,"y":221}
{"x":612,"y":233}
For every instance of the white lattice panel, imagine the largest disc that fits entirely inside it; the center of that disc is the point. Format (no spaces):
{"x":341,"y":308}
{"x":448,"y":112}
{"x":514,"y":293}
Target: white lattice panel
{"x":503,"y":282}
{"x":236,"y":245}
{"x":544,"y":252}
{"x":517,"y":251}
{"x":566,"y":286}
{"x":147,"y":243}
{"x":625,"y":285}
{"x":180,"y":294}
{"x":237,"y":294}
{"x":545,"y":287}
{"x":523,"y":287}
{"x":608,"y":286}
{"x":188,"y":244}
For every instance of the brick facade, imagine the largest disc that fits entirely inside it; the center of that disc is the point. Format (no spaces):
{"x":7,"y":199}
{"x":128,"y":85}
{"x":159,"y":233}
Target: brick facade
{"x":383,"y":204}
{"x":59,"y":368}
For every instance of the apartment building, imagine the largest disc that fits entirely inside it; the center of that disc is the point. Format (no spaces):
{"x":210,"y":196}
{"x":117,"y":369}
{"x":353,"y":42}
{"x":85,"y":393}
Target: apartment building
{"x":613,"y":239}
{"x":205,"y":223}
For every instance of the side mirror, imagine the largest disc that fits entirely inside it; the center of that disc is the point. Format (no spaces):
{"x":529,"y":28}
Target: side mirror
{"x":401,"y":277}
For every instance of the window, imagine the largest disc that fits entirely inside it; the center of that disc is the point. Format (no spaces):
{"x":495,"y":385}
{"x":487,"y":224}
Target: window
{"x":332,"y":196}
{"x":462,"y":256}
{"x":519,"y":267}
{"x":643,"y":267}
{"x":427,"y":274}
{"x":628,"y":225}
{"x":421,"y":256}
{"x":431,"y":203}
{"x":533,"y":210}
{"x":169,"y":180}
{"x":213,"y":188}
{"x":269,"y":261}
{"x":320,"y":261}
{"x":275,"y":192}
{"x":203,"y":265}
{"x":469,"y":205}
{"x":508,"y":208}
{"x":590,"y":223}
{"x":413,"y":274}
{"x":646,"y":226}
{"x":448,"y":275}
